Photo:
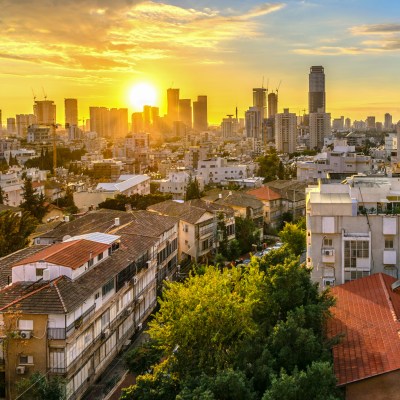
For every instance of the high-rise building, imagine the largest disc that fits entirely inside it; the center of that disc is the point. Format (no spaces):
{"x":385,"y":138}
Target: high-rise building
{"x":200,"y":118}
{"x":370,"y":122}
{"x":22,"y":123}
{"x":347,"y":123}
{"x":118,"y":122}
{"x":285,"y":131}
{"x":338,"y":124}
{"x":100,"y":121}
{"x":388,"y":122}
{"x":260,"y":100}
{"x":137,"y":122}
{"x":320,"y":128}
{"x":147,"y":120}
{"x":1,"y":121}
{"x":185,"y":112}
{"x":253,"y":123}
{"x":11,"y":127}
{"x":71,"y":112}
{"x":45,"y":112}
{"x":272,"y":104}
{"x":155,"y":118}
{"x":172,"y":105}
{"x":316,"y":92}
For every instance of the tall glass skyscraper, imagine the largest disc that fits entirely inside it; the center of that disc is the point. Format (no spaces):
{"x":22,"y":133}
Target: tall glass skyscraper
{"x":316,"y":92}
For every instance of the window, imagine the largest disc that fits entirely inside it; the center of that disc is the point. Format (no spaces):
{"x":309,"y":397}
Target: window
{"x":97,"y":295}
{"x":353,"y":250}
{"x":39,"y":272}
{"x":25,"y":325}
{"x":107,"y":287}
{"x":100,"y":257}
{"x":389,"y":244}
{"x":25,"y":359}
{"x":328,"y":242}
{"x":105,"y":319}
{"x":90,"y":262}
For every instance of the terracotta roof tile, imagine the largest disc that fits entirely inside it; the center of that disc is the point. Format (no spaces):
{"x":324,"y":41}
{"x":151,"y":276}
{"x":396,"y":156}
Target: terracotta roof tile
{"x":265,"y":193}
{"x":367,"y":315}
{"x":68,"y":254}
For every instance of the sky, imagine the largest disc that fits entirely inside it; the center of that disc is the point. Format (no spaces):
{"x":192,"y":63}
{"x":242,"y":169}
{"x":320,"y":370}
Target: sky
{"x":97,"y":50}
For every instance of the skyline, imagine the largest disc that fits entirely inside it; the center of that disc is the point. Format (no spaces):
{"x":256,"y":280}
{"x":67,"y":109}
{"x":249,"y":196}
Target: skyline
{"x":97,"y":50}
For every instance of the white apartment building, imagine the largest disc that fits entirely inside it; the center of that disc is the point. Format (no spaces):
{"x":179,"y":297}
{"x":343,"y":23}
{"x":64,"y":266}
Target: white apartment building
{"x":176,"y":183}
{"x":285,"y":131}
{"x":341,"y":160}
{"x":353,"y":229}
{"x":216,"y":170}
{"x":80,"y":300}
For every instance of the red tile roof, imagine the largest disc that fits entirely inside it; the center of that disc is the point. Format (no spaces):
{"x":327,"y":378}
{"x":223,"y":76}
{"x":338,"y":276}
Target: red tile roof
{"x":367,"y":314}
{"x":265,"y":193}
{"x":69,"y":254}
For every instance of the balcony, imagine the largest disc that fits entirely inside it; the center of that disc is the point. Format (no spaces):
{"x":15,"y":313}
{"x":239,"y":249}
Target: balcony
{"x":56,"y":333}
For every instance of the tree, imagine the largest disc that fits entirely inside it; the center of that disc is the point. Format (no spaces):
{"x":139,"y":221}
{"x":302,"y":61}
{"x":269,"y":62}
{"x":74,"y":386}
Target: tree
{"x":15,"y":231}
{"x":270,"y":166}
{"x":68,"y":202}
{"x":204,"y":320}
{"x":140,"y":359}
{"x":33,"y":202}
{"x":317,"y":383}
{"x":247,"y":233}
{"x":38,"y":387}
{"x":294,"y":236}
{"x":3,"y":196}
{"x":192,"y":189}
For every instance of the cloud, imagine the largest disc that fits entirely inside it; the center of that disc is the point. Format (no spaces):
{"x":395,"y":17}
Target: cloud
{"x":99,"y":35}
{"x":375,"y":29}
{"x":330,"y":51}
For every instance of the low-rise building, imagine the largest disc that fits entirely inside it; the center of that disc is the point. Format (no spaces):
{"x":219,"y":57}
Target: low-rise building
{"x":72,"y":306}
{"x":176,"y":183}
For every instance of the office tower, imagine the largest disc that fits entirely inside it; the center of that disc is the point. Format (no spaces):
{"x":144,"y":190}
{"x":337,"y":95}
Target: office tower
{"x":370,"y":122}
{"x":45,"y":112}
{"x":253,"y":123}
{"x":147,"y":118}
{"x":316,"y":93}
{"x":347,"y":123}
{"x":338,"y":124}
{"x":285,"y":131}
{"x":388,"y":122}
{"x":118,"y":122}
{"x":200,"y":119}
{"x":272,"y":104}
{"x":137,"y":122}
{"x":71,"y":112}
{"x":260,"y":100}
{"x":320,"y":128}
{"x":185,"y":112}
{"x":11,"y":128}
{"x":100,"y":121}
{"x":1,"y":121}
{"x":229,"y":127}
{"x":172,"y":105}
{"x":155,"y":117}
{"x":22,"y":123}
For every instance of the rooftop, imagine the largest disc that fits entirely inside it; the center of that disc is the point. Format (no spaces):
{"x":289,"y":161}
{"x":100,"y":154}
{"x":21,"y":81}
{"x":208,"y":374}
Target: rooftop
{"x":367,"y":313}
{"x":264,"y":193}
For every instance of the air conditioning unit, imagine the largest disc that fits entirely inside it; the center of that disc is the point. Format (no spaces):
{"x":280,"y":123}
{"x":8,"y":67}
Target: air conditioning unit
{"x":140,"y":298}
{"x":140,"y":326}
{"x":135,"y":279}
{"x":328,"y":282}
{"x":328,"y":252}
{"x":20,"y":369}
{"x":129,"y":310}
{"x":106,"y":332}
{"x":25,"y":334}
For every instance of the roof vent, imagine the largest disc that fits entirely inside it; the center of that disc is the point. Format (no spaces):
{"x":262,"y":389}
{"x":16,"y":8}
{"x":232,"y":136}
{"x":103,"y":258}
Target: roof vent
{"x":116,"y":221}
{"x":220,"y":196}
{"x":395,"y":285}
{"x":66,"y":218}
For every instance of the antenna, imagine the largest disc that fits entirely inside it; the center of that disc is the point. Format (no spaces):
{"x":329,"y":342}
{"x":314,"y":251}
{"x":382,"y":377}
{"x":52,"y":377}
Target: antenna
{"x":267,"y":84}
{"x":44,"y":94}
{"x":33,"y":94}
{"x":262,"y":85}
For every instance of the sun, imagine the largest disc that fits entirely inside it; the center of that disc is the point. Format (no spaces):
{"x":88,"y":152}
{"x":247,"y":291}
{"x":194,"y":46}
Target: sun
{"x":142,"y":94}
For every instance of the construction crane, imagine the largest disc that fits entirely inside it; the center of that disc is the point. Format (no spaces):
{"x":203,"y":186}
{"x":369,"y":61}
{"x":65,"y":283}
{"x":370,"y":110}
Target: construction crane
{"x":277,"y":89}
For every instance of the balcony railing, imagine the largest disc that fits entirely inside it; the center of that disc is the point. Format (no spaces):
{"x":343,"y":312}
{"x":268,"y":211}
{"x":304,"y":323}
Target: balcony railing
{"x":56,"y":333}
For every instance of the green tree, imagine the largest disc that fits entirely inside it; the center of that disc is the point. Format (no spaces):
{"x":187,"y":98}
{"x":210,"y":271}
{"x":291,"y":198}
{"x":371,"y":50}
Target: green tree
{"x":294,"y":236}
{"x":140,"y":359}
{"x":270,"y":166}
{"x":234,"y":250}
{"x":204,"y":320}
{"x":247,"y":233}
{"x":67,"y":202}
{"x":317,"y":382}
{"x":3,"y":196}
{"x":38,"y":387}
{"x":192,"y":189}
{"x":15,"y":231}
{"x":33,"y":202}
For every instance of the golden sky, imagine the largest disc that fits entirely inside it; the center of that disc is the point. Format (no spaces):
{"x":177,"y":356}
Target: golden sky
{"x":96,"y":50}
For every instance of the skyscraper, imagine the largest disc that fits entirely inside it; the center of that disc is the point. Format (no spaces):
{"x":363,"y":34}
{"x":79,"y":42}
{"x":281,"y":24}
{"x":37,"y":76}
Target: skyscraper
{"x":147,"y":118}
{"x":45,"y":112}
{"x":137,"y":122}
{"x":316,"y":92}
{"x":100,"y":121}
{"x":200,"y":118}
{"x":285,"y":131}
{"x":388,"y":122}
{"x":172,"y":105}
{"x":272,"y":104}
{"x":22,"y":123}
{"x":118,"y":122}
{"x":71,"y":112}
{"x":185,"y":112}
{"x":260,"y":100}
{"x":320,"y":128}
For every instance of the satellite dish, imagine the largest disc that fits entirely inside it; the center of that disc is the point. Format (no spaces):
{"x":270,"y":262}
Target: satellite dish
{"x":66,"y":237}
{"x":395,"y":285}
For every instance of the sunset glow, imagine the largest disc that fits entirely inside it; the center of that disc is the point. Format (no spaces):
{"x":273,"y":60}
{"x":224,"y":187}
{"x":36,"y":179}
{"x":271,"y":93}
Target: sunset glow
{"x":142,"y":94}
